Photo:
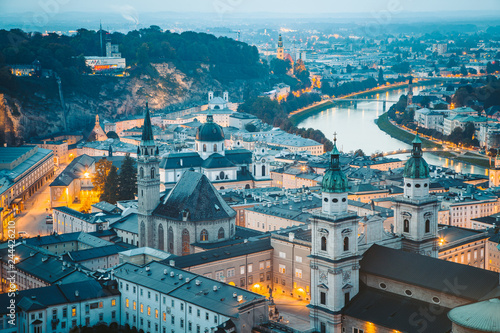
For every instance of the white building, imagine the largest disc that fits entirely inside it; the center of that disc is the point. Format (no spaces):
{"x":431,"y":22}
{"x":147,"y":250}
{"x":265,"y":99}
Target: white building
{"x":161,"y":298}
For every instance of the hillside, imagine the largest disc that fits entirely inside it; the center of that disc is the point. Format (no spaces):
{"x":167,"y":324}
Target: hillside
{"x":166,"y":69}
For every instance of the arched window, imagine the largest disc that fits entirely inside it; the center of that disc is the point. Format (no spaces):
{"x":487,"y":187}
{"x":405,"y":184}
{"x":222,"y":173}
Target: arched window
{"x":222,"y":175}
{"x":170,"y":236}
{"x":215,"y":147}
{"x":323,"y":243}
{"x":247,"y":186}
{"x":185,"y":242}
{"x":142,"y":234}
{"x":427,"y":226}
{"x":152,"y":173}
{"x":406,"y":226}
{"x":161,"y":242}
{"x":204,"y":147}
{"x":263,"y":170}
{"x":346,"y":243}
{"x":221,"y":233}
{"x":141,"y":172}
{"x":204,"y":235}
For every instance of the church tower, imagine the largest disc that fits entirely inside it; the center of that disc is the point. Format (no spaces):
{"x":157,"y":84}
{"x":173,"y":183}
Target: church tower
{"x":334,"y":253}
{"x":280,"y":54}
{"x":148,"y":183}
{"x":260,"y":163}
{"x":494,"y":171}
{"x":410,"y":91}
{"x":416,"y":212}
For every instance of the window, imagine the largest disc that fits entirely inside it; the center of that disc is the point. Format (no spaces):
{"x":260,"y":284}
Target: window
{"x":406,"y":226}
{"x":182,"y":323}
{"x":113,"y":302}
{"x":134,"y":305}
{"x":250,"y":268}
{"x":65,"y":312}
{"x":152,"y":173}
{"x":436,"y":300}
{"x":73,"y":311}
{"x":190,"y":326}
{"x":206,"y":316}
{"x":347,"y":298}
{"x":172,"y":320}
{"x":185,"y":242}
{"x":298,"y":258}
{"x":164,"y":316}
{"x":427,"y":226}
{"x":182,"y":306}
{"x":156,"y":313}
{"x":282,"y":268}
{"x":242,"y":269}
{"x":204,"y":235}
{"x":87,"y":309}
{"x":215,"y":319}
{"x":282,"y":254}
{"x":242,"y":282}
{"x":250,"y":279}
{"x":190,"y":310}
{"x":149,"y":311}
{"x":215,"y":147}
{"x":221,"y":233}
{"x":113,"y":314}
{"x":382,"y":285}
{"x":197,"y":312}
{"x":323,"y":243}
{"x":346,"y":243}
{"x":149,"y":295}
{"x":219,"y":275}
{"x":204,"y":147}
{"x":408,"y":292}
{"x":322,"y":298}
{"x":261,"y":265}
{"x":268,"y":263}
{"x":142,"y":308}
{"x":298,"y":273}
{"x":322,"y":327}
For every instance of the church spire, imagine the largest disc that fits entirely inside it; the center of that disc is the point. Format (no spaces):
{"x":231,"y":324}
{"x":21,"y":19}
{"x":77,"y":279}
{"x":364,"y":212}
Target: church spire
{"x":147,"y":132}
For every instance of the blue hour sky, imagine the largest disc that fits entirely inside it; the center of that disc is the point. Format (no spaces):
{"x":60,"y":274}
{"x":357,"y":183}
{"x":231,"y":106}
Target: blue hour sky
{"x":250,"y":6}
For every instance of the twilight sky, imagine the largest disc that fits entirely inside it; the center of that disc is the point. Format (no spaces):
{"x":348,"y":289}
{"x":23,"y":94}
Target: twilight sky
{"x":248,"y":6}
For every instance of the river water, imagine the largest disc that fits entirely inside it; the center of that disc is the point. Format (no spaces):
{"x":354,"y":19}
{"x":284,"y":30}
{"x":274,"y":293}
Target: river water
{"x":356,"y":129}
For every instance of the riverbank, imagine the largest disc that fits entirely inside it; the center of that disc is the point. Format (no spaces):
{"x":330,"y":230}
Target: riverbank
{"x":298,"y":116}
{"x":394,"y":131}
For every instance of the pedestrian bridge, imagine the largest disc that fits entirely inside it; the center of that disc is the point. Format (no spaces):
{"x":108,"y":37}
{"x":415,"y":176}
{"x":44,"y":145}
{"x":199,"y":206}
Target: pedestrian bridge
{"x":407,"y":151}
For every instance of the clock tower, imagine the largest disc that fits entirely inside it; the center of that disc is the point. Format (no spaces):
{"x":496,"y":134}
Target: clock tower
{"x":334,"y":253}
{"x":260,"y":161}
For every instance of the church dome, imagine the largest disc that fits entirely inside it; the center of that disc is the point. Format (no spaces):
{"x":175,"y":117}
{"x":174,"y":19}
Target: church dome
{"x":416,"y":167}
{"x":480,"y":317}
{"x":210,"y":131}
{"x":334,"y":179}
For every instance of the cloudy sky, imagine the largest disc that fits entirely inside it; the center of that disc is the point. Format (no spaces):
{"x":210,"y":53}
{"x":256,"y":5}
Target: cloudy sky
{"x":248,"y":6}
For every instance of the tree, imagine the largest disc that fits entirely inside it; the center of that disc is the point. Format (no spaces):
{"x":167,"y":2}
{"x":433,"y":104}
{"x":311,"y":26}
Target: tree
{"x":86,"y":204}
{"x":111,"y":188}
{"x":463,"y":71}
{"x":280,"y":67}
{"x":251,"y":127}
{"x":102,"y":168}
{"x":348,"y":69}
{"x":359,"y":152}
{"x":128,"y":179}
{"x":381,"y":76}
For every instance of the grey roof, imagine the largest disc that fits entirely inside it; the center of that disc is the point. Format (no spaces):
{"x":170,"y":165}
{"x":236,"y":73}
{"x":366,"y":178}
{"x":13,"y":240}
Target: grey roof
{"x":82,"y":237}
{"x":427,"y":272}
{"x":74,"y":170}
{"x":96,"y":252}
{"x":216,"y":161}
{"x":107,"y":207}
{"x":181,"y":160}
{"x":41,"y":298}
{"x":195,"y":195}
{"x":226,"y":252}
{"x":127,"y":223}
{"x":201,"y":294}
{"x":395,"y":312}
{"x":456,"y":236}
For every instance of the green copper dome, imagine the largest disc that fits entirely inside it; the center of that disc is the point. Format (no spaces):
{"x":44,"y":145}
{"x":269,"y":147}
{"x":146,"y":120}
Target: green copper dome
{"x":334,"y":179}
{"x":480,"y":317}
{"x":416,"y":167}
{"x":210,"y":131}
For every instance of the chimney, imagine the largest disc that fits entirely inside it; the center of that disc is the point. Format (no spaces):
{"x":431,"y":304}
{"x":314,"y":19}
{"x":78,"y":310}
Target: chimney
{"x":291,"y":237}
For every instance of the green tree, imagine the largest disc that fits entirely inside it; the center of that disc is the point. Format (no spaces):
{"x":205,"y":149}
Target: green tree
{"x":251,"y":127}
{"x":111,"y":187}
{"x":280,"y":67}
{"x":381,"y":79}
{"x":102,"y":168}
{"x":128,"y":179}
{"x":463,"y":71}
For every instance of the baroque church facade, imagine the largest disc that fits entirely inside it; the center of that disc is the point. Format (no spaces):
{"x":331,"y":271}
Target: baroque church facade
{"x":225,"y":168}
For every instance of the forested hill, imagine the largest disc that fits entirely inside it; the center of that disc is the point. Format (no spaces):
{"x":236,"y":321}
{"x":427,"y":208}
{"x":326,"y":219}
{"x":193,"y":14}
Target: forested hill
{"x":166,"y":68}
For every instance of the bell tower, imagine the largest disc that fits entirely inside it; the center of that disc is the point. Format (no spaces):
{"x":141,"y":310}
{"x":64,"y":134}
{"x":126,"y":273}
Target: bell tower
{"x":148,"y":183}
{"x":416,"y":212}
{"x":334,"y":253}
{"x":260,"y":161}
{"x":280,"y":54}
{"x":494,"y":171}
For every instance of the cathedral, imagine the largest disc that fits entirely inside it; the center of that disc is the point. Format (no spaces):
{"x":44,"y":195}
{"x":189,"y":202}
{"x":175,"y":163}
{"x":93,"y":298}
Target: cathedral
{"x":193,"y":211}
{"x":225,"y":168}
{"x":401,"y":287}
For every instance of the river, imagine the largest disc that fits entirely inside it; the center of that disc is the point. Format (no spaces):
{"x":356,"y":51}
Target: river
{"x":356,"y":129}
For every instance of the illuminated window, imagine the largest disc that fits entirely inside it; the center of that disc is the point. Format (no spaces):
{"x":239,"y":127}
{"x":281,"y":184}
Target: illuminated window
{"x":156,"y":313}
{"x":126,"y":302}
{"x":149,"y":311}
{"x":113,"y":302}
{"x":73,"y":312}
{"x":164,"y":316}
{"x":142,"y":308}
{"x":135,"y":307}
